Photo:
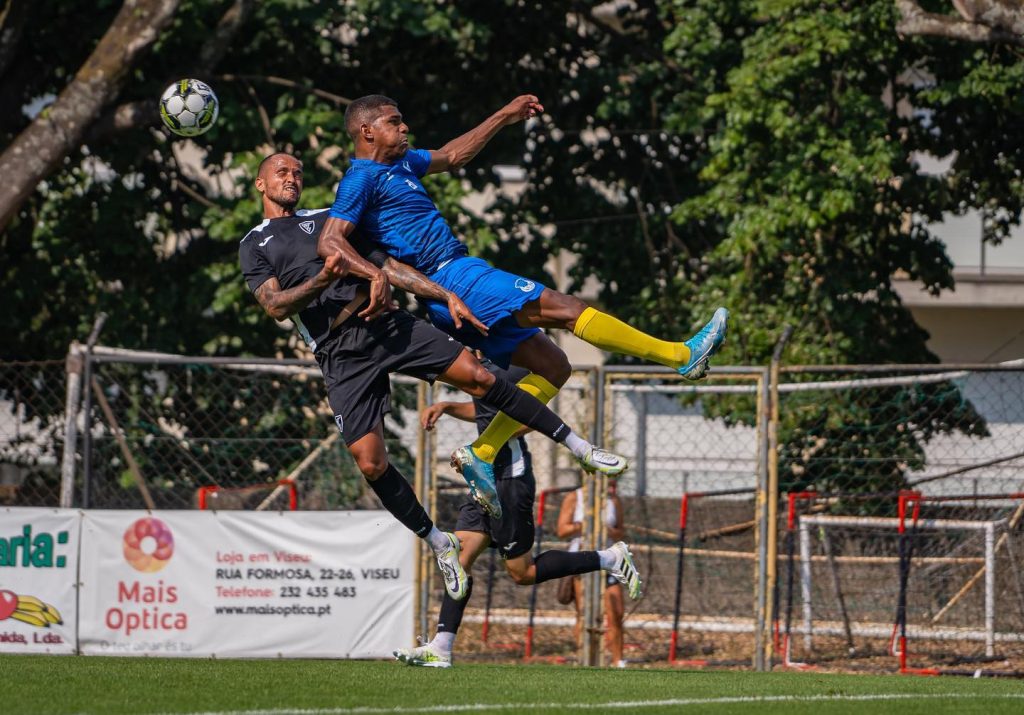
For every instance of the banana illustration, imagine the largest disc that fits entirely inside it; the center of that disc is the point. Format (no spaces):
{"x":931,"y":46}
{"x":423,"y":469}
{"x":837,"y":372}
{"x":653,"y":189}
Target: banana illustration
{"x":53,"y":615}
{"x":33,"y":619}
{"x":30,"y":604}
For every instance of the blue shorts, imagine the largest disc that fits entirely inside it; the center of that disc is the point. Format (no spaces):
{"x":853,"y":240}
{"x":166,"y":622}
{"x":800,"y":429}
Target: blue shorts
{"x":493,"y":296}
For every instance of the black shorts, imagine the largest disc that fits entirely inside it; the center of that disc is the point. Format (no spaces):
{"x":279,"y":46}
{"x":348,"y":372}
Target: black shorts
{"x":513,"y":534}
{"x":358,"y":356}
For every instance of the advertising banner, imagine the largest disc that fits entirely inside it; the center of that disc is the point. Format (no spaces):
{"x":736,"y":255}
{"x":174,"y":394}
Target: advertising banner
{"x":245,"y":584}
{"x":38,"y":566}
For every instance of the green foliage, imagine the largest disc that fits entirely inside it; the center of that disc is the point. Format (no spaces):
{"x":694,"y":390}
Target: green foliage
{"x":759,"y":154}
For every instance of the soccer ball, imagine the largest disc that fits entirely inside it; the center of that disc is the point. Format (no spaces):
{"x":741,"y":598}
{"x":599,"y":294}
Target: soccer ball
{"x":189,"y":107}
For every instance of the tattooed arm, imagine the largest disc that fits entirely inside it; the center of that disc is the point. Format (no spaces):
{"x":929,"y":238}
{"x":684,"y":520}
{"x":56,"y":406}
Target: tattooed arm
{"x":281,"y":304}
{"x":408,"y":278}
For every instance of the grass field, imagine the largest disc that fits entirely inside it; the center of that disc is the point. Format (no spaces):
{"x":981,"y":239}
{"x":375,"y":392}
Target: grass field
{"x":46,"y":684}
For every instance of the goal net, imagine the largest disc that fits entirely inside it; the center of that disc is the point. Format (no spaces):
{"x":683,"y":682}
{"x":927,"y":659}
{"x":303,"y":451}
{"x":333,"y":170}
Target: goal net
{"x":937,"y":585}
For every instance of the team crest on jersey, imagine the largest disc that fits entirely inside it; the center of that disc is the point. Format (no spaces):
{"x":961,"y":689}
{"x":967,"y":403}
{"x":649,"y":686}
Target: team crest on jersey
{"x":307,"y":226}
{"x":525,"y":285}
{"x":340,"y":421}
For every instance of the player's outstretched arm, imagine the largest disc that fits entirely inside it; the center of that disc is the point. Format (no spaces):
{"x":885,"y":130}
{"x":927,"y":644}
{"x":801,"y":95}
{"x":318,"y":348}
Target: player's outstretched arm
{"x":465,"y":411}
{"x":334,"y":241}
{"x":459,"y":151}
{"x":280,"y":304}
{"x":408,"y":278}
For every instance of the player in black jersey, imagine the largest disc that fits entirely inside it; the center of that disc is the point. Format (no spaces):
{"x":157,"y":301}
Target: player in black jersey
{"x":357,"y":349}
{"x":512,"y":535}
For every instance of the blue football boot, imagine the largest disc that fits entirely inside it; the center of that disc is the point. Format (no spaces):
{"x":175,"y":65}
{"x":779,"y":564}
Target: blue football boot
{"x":479,"y":475}
{"x":705,"y":344}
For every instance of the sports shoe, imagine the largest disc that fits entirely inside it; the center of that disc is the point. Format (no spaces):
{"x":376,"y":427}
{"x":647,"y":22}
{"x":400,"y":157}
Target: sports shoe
{"x":599,"y":460}
{"x":704,"y":344}
{"x":455,"y":579}
{"x":479,"y":475}
{"x":625,"y":570}
{"x":424,"y":656}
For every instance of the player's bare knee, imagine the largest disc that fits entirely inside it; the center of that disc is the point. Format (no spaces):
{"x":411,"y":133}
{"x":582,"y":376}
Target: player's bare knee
{"x":521,"y":576}
{"x":480,"y":381}
{"x":372,"y":465}
{"x":559,"y":370}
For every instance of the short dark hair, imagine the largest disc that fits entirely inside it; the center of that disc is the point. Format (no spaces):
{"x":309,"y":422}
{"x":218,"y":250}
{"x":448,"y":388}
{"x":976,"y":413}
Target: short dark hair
{"x":363,"y":111}
{"x":268,"y":157}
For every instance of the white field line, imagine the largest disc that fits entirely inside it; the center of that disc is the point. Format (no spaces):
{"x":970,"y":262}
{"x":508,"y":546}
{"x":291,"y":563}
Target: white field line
{"x":623,"y":704}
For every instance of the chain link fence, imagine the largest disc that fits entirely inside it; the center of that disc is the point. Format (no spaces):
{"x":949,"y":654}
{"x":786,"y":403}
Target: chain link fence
{"x":690,"y":509}
{"x":764,"y":512}
{"x":31,"y":432}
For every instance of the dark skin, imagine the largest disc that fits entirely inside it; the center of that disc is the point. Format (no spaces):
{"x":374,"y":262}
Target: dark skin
{"x":384,"y":139}
{"x":280,"y":186}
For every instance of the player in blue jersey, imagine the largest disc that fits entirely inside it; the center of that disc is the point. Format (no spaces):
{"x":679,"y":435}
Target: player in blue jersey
{"x":382,"y":195}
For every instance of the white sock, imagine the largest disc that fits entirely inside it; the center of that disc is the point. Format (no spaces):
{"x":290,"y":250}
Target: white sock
{"x":443,"y":642}
{"x":608,"y":559}
{"x":437,"y":539}
{"x":577,"y":445}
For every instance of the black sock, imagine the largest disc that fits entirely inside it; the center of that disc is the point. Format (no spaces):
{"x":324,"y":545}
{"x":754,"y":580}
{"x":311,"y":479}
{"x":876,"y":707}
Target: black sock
{"x":450,"y":618}
{"x":397,"y":496}
{"x":555,"y":564}
{"x":525,"y":409}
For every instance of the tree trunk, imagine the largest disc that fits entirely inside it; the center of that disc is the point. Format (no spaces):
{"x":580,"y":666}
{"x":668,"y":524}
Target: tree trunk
{"x":978,"y":21}
{"x":58,"y":129}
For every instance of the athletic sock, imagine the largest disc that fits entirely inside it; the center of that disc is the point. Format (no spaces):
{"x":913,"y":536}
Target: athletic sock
{"x":525,"y":409}
{"x":449,"y":619}
{"x":443,"y":642}
{"x":555,"y":564}
{"x":397,"y":496}
{"x":502,"y":427}
{"x":609,"y":333}
{"x":608,"y":559}
{"x":577,"y":445}
{"x":437,"y":539}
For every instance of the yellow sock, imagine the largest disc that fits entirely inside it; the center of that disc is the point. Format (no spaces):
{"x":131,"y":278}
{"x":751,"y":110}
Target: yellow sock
{"x":608,"y":333}
{"x":502,"y":427}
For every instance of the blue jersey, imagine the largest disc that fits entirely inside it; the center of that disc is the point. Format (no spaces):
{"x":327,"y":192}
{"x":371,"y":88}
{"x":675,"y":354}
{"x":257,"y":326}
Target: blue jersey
{"x":389,"y":205}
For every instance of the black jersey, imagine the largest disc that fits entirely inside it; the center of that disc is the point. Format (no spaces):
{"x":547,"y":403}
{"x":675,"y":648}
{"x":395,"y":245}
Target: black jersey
{"x":514,"y":458}
{"x":285,"y":248}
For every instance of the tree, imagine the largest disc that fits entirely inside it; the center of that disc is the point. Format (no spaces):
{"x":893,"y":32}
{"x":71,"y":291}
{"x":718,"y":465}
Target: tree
{"x":59,"y":128}
{"x":763,"y":159}
{"x":752,"y":153}
{"x":145,"y":226}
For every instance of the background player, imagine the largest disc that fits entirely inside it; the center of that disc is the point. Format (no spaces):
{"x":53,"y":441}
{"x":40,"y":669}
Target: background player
{"x":382,"y":195}
{"x":570,"y":526}
{"x":512,"y":534}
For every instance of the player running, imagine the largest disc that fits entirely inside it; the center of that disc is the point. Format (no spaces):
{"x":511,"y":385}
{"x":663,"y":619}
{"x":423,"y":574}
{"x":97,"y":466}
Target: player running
{"x":382,"y":195}
{"x":323,"y":298}
{"x":512,"y":535}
